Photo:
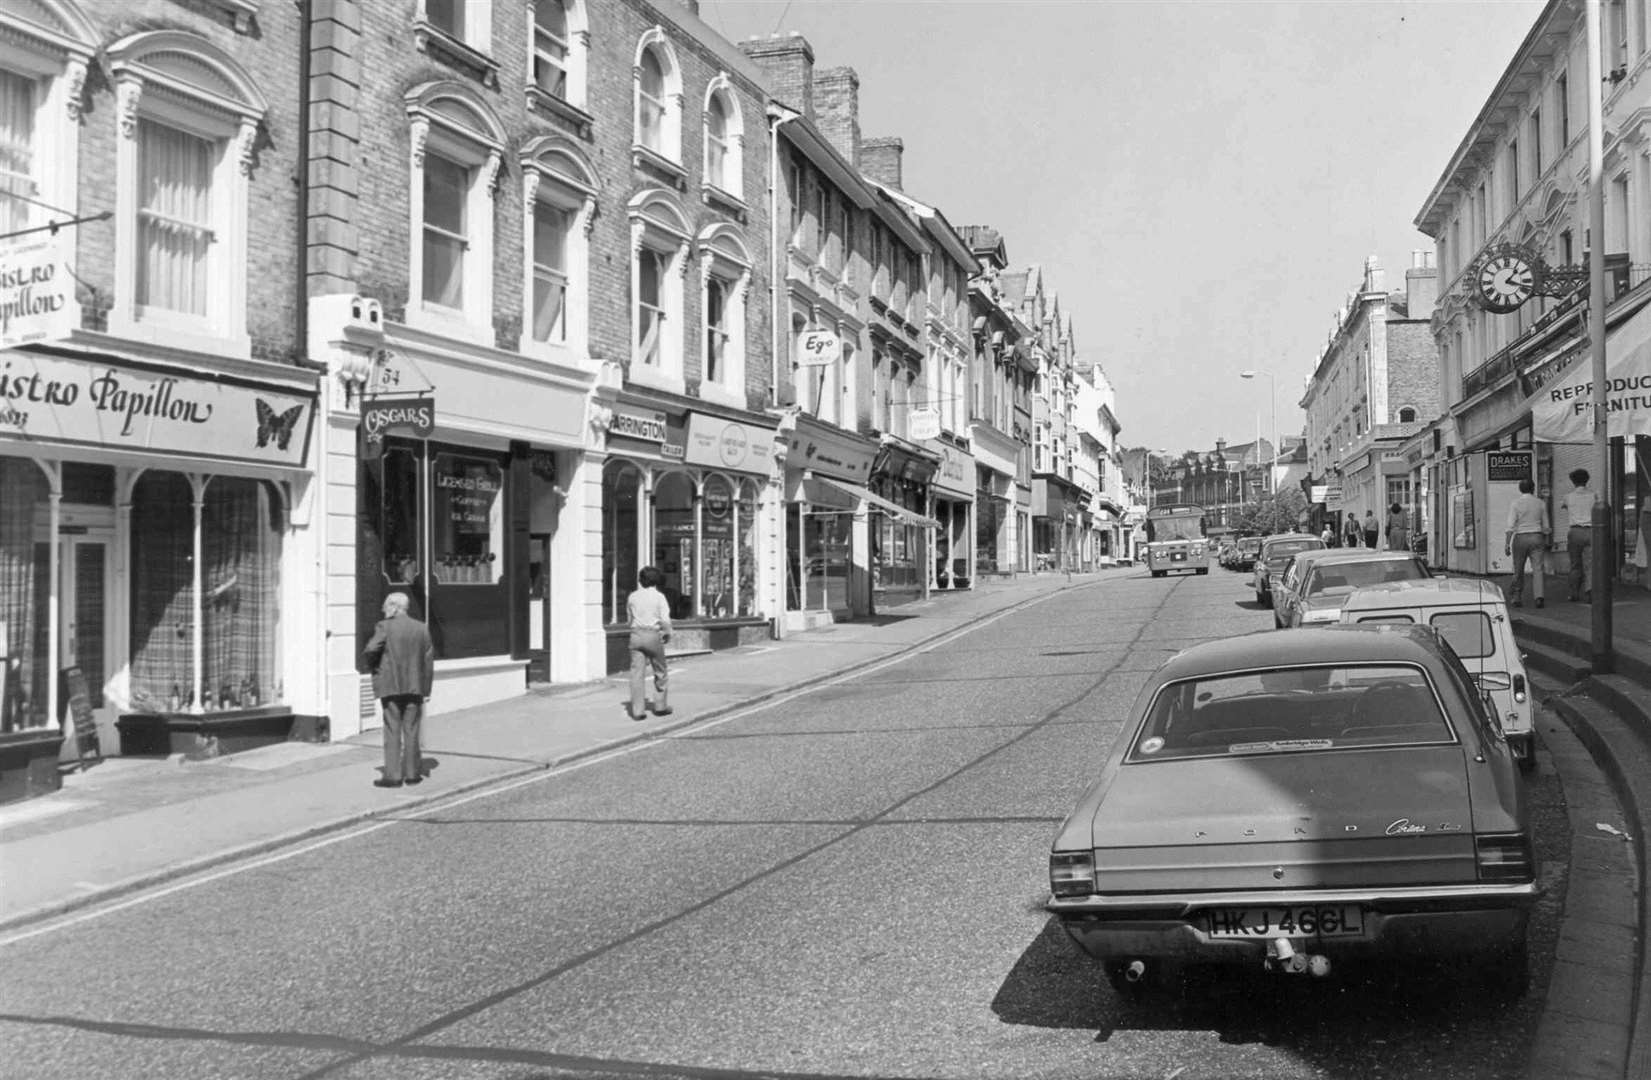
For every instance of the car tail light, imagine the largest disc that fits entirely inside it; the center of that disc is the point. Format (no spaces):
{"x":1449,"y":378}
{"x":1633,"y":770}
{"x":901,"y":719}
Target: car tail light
{"x":1519,"y":689}
{"x":1505,"y":857}
{"x":1072,"y":873}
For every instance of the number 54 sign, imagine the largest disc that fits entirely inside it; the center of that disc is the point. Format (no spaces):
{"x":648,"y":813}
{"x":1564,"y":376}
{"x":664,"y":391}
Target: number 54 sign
{"x":818,"y":348}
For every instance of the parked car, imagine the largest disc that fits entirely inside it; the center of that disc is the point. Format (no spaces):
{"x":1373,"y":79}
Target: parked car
{"x":1315,"y":583}
{"x":1335,"y":795}
{"x":1247,"y":549}
{"x":1272,"y":555}
{"x":1471,"y":614}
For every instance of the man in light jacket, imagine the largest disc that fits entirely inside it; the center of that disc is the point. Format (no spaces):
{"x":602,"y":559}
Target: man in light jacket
{"x":402,"y":659}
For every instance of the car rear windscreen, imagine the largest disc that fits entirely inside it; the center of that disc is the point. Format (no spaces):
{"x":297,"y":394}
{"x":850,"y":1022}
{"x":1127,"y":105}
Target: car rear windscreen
{"x":1347,"y":576}
{"x":1292,"y":710}
{"x":1290,"y":547}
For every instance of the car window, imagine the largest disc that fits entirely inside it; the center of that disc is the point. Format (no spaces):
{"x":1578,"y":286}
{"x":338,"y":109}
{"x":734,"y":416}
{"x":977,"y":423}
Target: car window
{"x":1290,"y":547}
{"x":1403,"y":619}
{"x":1469,"y":633}
{"x":1292,"y":710}
{"x":1345,"y":577}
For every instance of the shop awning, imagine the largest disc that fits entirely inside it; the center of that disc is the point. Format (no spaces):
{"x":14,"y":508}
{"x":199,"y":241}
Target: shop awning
{"x":1562,"y":412}
{"x":899,"y":513}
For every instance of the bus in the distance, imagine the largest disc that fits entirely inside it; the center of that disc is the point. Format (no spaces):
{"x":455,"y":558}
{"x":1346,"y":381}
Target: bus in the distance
{"x":1176,"y":539}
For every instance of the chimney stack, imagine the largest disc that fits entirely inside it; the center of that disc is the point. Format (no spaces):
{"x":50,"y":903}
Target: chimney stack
{"x":788,"y":62}
{"x":1421,"y":286}
{"x":880,"y":160}
{"x":837,"y":105}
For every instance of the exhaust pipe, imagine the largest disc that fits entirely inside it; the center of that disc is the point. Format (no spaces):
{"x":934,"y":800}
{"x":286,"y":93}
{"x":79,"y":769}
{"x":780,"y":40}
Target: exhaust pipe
{"x":1135,"y":972}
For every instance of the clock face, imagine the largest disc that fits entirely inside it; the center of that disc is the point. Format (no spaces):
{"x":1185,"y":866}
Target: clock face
{"x":1505,"y":281}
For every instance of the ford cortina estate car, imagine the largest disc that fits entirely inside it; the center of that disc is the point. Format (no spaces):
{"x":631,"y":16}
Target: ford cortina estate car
{"x":1334,"y":795}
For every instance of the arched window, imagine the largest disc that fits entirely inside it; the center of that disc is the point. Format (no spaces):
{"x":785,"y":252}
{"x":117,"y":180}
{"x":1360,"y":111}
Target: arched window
{"x":718,"y":536}
{"x":1407,"y":415}
{"x":674,"y":540}
{"x":745,"y":570}
{"x":724,"y":139}
{"x":659,"y":260}
{"x":559,"y":200}
{"x":45,"y":75}
{"x":189,"y":119}
{"x":558,"y":61}
{"x":658,"y":94}
{"x":621,"y":536}
{"x":457,"y":151}
{"x":725,"y":281}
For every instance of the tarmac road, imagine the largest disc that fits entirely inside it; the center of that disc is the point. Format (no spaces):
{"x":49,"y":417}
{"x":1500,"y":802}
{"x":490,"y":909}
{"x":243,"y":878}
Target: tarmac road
{"x":845,"y":883}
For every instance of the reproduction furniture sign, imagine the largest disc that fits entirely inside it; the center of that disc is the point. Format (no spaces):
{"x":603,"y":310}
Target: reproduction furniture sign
{"x":60,"y":399}
{"x":1507,"y":465}
{"x":728,"y":444}
{"x":1563,"y":411}
{"x":36,"y":290}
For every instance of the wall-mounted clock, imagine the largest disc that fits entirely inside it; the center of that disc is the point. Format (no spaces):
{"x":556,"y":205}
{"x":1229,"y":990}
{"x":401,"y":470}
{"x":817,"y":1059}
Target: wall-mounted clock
{"x":1507,"y":278}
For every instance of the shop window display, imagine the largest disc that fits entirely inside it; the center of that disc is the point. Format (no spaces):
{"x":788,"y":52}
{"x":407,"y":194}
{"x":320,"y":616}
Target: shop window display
{"x":621,"y":493}
{"x":467,"y":520}
{"x":746,"y":508}
{"x":241,"y":525}
{"x":720,"y":525}
{"x":163,"y":599}
{"x":23,"y":596}
{"x":673,"y":540}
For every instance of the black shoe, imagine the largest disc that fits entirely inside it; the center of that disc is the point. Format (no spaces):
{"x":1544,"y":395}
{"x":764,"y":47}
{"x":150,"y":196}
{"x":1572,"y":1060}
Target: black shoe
{"x":1517,"y":602}
{"x":411,"y":780}
{"x":666,"y":711}
{"x":381,"y":782}
{"x":1539,"y":601}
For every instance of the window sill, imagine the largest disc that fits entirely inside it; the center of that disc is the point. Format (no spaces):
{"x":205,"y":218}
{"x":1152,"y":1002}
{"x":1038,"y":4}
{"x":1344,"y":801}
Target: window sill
{"x":538,"y":101}
{"x":719,"y":394}
{"x":727,"y":200}
{"x":449,"y":323}
{"x":655,"y":162}
{"x":185,"y":334}
{"x":643,"y":375}
{"x":439,"y":44}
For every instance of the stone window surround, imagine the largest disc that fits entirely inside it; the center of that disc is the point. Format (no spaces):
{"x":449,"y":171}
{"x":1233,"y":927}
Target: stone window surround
{"x":557,"y":173}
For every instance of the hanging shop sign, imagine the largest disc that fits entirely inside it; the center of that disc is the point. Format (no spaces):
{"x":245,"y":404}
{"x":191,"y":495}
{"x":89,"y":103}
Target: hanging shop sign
{"x":818,"y":348}
{"x":415,"y":417}
{"x":1508,"y":465}
{"x":50,"y":398}
{"x":36,"y":290}
{"x":829,"y":450}
{"x":728,"y":444}
{"x":924,"y":424}
{"x":956,"y":474}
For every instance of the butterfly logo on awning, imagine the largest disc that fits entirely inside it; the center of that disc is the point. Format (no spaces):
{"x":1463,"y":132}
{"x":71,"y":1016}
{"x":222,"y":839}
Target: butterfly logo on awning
{"x":278,"y":426}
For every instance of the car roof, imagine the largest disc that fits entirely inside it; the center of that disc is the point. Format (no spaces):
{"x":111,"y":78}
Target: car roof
{"x":1424,"y":592}
{"x":1329,"y":643}
{"x":1338,"y":556}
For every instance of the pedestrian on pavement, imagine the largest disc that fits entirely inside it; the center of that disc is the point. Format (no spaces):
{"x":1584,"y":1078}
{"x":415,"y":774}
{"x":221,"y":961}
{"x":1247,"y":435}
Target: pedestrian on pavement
{"x":1328,"y":536}
{"x":1527,"y":540}
{"x":650,"y":617}
{"x":1579,"y":537}
{"x":1350,"y":534}
{"x":403,"y":662}
{"x":1398,"y":530}
{"x":1372,"y":531}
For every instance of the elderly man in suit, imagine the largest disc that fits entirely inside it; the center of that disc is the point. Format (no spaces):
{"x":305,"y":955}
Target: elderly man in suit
{"x":403,"y":662}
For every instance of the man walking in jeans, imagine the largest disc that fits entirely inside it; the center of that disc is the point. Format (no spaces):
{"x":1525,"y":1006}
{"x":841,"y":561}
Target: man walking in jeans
{"x":1527,"y":540}
{"x":650,"y":618}
{"x":1579,"y":538}
{"x":403,"y":662}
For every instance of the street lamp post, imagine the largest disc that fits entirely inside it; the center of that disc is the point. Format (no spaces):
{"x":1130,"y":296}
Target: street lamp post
{"x":1272,"y":401}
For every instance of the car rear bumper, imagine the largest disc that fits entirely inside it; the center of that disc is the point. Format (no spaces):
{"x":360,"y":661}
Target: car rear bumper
{"x":1454,"y":921}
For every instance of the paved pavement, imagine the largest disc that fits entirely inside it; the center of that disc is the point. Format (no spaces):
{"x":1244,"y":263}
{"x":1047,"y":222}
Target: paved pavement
{"x":128,"y":824}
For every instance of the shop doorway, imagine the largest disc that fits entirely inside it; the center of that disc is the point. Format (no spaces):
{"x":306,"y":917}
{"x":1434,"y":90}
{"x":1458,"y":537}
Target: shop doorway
{"x":85,"y":619}
{"x":538,"y":608}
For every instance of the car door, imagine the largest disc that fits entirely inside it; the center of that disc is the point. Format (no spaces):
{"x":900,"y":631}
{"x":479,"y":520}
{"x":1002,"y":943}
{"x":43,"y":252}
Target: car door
{"x":1283,"y":590}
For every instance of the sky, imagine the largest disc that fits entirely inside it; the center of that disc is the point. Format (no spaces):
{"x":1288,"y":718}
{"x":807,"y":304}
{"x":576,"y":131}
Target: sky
{"x":1200,"y":180}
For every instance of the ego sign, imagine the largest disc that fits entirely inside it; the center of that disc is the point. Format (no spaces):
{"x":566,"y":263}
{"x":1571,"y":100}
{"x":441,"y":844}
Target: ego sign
{"x":818,"y":348}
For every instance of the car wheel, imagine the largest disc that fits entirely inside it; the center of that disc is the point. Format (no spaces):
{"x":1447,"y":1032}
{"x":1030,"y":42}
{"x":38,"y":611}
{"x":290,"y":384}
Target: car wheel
{"x":1203,"y":569}
{"x":1159,"y":573}
{"x":1525,"y":753}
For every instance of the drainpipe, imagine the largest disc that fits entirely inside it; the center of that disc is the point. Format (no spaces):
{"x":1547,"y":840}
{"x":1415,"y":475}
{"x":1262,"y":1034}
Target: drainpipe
{"x":778,"y":117}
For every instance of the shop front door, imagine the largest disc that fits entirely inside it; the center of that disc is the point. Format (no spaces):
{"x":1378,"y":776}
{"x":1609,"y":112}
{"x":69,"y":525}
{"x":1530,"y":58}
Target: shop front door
{"x":84,"y":617}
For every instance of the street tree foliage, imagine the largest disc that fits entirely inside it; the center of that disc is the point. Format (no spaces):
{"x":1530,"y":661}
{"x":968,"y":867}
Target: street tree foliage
{"x":1280,"y":513}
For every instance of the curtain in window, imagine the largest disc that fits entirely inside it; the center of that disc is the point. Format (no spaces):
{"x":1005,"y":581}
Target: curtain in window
{"x":621,"y":487}
{"x":550,"y":47}
{"x":716,"y":143}
{"x":446,"y":184}
{"x":16,"y":149}
{"x":163,"y":602}
{"x":174,"y":218}
{"x":550,"y":279}
{"x":650,"y":105}
{"x":240,"y":585}
{"x":23,"y":595}
{"x":650,"y":314}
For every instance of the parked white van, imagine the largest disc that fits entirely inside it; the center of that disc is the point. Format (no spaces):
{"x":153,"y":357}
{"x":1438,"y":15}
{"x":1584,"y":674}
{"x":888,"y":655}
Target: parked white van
{"x":1472,"y":616}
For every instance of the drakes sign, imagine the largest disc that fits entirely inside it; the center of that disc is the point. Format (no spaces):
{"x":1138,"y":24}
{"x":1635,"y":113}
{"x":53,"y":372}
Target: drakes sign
{"x":65,"y":399}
